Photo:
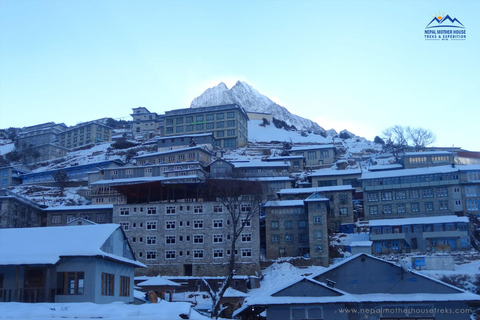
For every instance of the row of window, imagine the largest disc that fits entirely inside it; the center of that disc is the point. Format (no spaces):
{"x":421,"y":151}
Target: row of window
{"x":311,"y":155}
{"x":410,"y":179}
{"x":414,"y":207}
{"x":190,"y":156}
{"x":172,"y":224}
{"x":174,"y":209}
{"x":471,"y":191}
{"x":289,"y":238}
{"x":81,"y":130}
{"x":200,"y":118}
{"x":412,"y":194}
{"x":473,"y":176}
{"x":420,"y":228}
{"x":473,"y":205}
{"x":196,"y":209}
{"x":195,"y":254}
{"x":196,"y":239}
{"x":201,"y":127}
{"x":73,"y":283}
{"x":98,"y":217}
{"x":288,"y":224}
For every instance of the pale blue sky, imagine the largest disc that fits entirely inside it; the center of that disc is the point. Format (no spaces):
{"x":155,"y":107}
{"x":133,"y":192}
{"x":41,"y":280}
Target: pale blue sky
{"x":359,"y":65}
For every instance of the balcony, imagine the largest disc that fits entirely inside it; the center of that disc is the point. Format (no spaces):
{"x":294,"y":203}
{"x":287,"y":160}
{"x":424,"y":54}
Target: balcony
{"x":29,"y":295}
{"x":445,"y":234}
{"x":387,"y":236}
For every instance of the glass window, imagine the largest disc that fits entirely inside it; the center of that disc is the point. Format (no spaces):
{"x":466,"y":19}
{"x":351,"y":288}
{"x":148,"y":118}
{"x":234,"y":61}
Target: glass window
{"x":108,"y":283}
{"x":70,"y":283}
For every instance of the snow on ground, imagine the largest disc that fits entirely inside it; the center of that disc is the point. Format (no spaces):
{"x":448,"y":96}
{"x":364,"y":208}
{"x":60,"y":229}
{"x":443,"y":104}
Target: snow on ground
{"x":113,"y":311}
{"x":6,"y":148}
{"x":49,"y":196}
{"x":278,"y":276}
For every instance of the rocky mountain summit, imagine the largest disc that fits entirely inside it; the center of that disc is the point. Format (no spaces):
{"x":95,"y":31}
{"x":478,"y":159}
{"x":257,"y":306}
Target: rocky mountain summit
{"x":251,"y":100}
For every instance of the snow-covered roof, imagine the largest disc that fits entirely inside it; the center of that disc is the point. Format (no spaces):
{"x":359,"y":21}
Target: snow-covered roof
{"x":280,"y":158}
{"x":186,"y":136}
{"x":428,"y":153}
{"x":316,"y":197}
{"x":141,"y":180}
{"x":332,"y":172}
{"x":324,"y":146}
{"x":153,"y":154}
{"x":469,"y":167}
{"x":263,"y":164}
{"x":408,"y":172}
{"x":267,"y":179}
{"x":158,"y":281}
{"x":46,"y":245}
{"x":284,"y":203}
{"x":380,"y":167}
{"x":317,"y":189}
{"x":232,"y":293}
{"x":361,"y":244}
{"x":419,"y":220}
{"x":89,"y":207}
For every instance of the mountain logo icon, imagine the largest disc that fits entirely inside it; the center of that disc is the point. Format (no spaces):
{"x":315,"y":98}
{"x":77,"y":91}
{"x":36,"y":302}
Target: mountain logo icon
{"x":444,"y":21}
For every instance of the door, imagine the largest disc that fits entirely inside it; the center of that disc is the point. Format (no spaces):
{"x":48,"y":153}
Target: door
{"x":34,"y":286}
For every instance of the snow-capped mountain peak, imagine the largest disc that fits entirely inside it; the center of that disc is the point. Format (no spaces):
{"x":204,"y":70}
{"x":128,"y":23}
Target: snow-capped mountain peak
{"x":251,"y":100}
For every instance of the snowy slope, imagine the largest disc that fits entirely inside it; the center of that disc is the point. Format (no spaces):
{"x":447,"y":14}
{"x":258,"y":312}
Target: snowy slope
{"x":251,"y":100}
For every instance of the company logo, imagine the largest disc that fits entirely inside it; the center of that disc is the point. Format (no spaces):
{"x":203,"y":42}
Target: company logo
{"x":443,"y":27}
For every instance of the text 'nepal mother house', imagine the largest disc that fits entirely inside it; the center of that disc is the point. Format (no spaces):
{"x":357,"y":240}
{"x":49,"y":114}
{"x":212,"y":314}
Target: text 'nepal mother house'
{"x":88,"y":263}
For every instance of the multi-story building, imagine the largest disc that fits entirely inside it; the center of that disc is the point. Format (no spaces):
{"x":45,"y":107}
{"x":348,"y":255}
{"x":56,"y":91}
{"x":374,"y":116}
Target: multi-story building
{"x":315,"y":155}
{"x":103,"y":184}
{"x":42,"y":140}
{"x":426,"y":159}
{"x":74,"y":172}
{"x":329,"y":177}
{"x":470,"y":186}
{"x":87,"y":133}
{"x":188,"y":237}
{"x":297,"y":163}
{"x":144,"y":121}
{"x":198,"y":153}
{"x":11,"y":175}
{"x":63,"y":215}
{"x":18,"y":212}
{"x":41,"y":134}
{"x":340,"y":215}
{"x":441,"y":233}
{"x":228,"y":123}
{"x":189,"y":140}
{"x":274,"y":176}
{"x":420,"y":192}
{"x":297,"y":228}
{"x":250,"y":169}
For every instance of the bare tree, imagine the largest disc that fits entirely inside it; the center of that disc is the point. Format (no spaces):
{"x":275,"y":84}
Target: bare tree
{"x":420,"y":137}
{"x":61,"y":178}
{"x":398,"y":139}
{"x":241,"y":199}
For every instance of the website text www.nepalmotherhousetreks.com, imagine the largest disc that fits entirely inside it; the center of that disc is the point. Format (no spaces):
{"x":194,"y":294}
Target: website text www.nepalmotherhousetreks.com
{"x":405,"y":311}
